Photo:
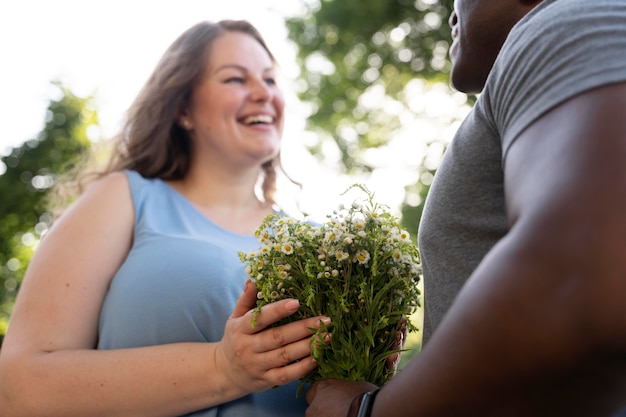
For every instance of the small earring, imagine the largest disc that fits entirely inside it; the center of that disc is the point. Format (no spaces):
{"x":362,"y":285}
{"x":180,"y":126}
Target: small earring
{"x":186,"y":124}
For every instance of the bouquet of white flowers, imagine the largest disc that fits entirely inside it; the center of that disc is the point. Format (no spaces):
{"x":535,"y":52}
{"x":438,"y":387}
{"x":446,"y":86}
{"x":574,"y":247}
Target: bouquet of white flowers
{"x":359,"y":268}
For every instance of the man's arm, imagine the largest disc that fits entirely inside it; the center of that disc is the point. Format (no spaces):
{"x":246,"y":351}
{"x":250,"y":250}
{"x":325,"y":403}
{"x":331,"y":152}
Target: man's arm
{"x":540,"y":327}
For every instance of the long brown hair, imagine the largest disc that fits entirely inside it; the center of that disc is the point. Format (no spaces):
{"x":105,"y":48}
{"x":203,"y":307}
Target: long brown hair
{"x":150,"y":141}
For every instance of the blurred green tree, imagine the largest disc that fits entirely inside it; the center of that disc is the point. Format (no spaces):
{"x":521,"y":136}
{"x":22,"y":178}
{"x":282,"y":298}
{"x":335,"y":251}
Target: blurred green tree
{"x":366,"y":69}
{"x":374,"y":72}
{"x":28,"y":173}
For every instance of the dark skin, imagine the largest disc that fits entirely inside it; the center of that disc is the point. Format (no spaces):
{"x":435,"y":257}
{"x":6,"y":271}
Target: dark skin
{"x":544,"y":335}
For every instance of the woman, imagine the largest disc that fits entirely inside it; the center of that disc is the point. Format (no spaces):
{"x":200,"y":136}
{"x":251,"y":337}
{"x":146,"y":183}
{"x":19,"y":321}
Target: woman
{"x":130,"y":305}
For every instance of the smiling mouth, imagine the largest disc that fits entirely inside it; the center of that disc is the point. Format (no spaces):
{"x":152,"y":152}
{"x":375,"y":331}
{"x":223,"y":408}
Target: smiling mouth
{"x":258,"y":119}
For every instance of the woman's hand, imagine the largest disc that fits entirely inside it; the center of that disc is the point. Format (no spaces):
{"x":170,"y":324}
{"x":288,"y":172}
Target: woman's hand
{"x":257,"y":358}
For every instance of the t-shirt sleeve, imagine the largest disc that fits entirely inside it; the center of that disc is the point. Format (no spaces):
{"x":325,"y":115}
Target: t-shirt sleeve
{"x":559,"y":50}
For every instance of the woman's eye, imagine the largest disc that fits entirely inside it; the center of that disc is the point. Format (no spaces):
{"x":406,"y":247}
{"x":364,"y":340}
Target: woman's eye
{"x":270,"y":81}
{"x":235,"y":80}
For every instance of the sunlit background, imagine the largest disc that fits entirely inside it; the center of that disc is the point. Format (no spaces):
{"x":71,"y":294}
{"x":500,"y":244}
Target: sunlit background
{"x":108,"y":49}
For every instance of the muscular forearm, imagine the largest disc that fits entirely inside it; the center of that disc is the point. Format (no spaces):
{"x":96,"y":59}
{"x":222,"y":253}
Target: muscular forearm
{"x":525,"y":337}
{"x":162,"y":380}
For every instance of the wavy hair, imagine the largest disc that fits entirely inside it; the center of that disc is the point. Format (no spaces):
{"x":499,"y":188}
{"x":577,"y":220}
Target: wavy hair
{"x":150,"y":141}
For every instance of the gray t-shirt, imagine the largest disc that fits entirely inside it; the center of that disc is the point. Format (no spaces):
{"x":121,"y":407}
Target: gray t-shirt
{"x":560,"y":49}
{"x":179,"y":283}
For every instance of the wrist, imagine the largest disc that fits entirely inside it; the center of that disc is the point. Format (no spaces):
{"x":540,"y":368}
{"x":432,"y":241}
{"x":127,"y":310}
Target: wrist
{"x":362,"y":405}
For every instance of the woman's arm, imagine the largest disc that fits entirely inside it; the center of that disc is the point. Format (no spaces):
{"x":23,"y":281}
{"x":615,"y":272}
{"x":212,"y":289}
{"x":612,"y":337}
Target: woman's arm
{"x":49,"y":364}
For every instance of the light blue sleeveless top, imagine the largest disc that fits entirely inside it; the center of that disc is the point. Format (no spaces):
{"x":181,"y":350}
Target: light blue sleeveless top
{"x":179,"y":283}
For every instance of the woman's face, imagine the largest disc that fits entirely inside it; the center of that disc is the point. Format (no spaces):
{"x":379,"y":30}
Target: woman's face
{"x":236,"y":109}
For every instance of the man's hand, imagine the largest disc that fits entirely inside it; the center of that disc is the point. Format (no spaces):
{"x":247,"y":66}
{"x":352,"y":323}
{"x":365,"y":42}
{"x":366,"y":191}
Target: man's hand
{"x":332,"y":397}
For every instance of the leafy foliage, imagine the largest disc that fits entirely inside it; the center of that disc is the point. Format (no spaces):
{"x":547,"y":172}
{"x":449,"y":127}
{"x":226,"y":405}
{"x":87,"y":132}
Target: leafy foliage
{"x":31,"y":170}
{"x":356,"y":58}
{"x":359,"y":268}
{"x":359,"y":63}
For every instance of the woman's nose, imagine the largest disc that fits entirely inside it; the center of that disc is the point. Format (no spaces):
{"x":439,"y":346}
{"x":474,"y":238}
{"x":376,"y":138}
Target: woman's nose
{"x":260,"y":91}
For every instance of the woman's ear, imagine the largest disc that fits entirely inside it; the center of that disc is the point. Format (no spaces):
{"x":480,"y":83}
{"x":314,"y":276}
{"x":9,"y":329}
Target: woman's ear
{"x":183,"y":120}
{"x":185,"y":123}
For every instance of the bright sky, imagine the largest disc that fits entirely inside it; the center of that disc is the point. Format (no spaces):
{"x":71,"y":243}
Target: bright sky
{"x":108,"y":49}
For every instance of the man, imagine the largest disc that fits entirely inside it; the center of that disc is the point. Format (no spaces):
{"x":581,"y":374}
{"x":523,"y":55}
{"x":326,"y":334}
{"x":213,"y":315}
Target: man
{"x":523,"y":237}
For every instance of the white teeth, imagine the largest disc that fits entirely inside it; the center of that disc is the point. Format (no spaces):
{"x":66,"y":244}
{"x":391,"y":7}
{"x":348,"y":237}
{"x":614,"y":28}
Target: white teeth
{"x":258,"y":118}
